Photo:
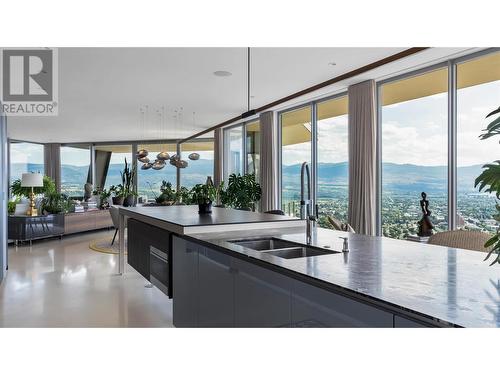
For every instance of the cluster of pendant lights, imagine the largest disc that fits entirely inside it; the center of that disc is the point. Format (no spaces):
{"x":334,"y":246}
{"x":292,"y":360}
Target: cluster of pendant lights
{"x":162,"y":157}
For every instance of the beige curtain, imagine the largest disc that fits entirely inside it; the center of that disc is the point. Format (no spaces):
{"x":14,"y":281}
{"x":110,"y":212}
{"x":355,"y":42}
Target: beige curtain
{"x":362,"y":157}
{"x":218,"y":156}
{"x":52,"y":162}
{"x":268,"y":161}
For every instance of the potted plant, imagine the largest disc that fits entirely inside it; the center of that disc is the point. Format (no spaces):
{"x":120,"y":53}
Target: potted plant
{"x":17,"y":190}
{"x":203,"y":195}
{"x":183,"y":196}
{"x":242,"y":192}
{"x":168,"y":194}
{"x":128,"y":178}
{"x":103,"y":195}
{"x":55,"y":203}
{"x":489,"y":181}
{"x":118,"y":194}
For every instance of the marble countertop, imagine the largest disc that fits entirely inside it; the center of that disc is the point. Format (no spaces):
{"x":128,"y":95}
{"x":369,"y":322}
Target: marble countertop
{"x":452,"y":285}
{"x":186,"y":219}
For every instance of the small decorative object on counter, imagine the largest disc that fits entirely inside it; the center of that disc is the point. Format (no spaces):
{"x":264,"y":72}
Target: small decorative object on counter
{"x":194,"y":156}
{"x":204,"y":195}
{"x":425,"y":226}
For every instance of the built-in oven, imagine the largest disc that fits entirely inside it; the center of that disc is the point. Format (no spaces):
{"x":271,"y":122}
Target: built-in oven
{"x":159,"y":270}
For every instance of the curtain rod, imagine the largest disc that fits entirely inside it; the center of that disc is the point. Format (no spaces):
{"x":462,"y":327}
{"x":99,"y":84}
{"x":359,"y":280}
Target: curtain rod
{"x":352,"y":73}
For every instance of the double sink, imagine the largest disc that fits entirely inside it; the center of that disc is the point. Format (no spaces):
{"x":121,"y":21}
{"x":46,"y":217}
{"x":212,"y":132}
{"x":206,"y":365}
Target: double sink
{"x":281,"y":248}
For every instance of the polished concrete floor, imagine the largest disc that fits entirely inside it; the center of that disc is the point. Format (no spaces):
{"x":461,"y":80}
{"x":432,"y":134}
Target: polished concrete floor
{"x":62,"y":283}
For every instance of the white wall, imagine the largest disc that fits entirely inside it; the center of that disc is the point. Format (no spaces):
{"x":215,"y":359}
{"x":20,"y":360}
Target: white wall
{"x":3,"y":195}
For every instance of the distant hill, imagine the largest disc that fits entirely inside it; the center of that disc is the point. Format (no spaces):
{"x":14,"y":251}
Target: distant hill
{"x":396,"y":177}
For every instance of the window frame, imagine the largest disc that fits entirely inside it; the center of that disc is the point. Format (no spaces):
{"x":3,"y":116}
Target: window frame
{"x":313,"y":104}
{"x":452,"y":111}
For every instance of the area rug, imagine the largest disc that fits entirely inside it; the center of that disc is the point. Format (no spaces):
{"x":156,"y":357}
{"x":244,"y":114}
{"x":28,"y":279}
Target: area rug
{"x":103,"y":245}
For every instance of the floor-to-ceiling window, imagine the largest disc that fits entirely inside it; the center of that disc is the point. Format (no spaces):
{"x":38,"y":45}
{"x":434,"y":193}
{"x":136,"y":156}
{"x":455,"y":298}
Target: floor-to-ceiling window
{"x":149,"y":180}
{"x":478,"y":84}
{"x":233,"y":149}
{"x":75,"y":169}
{"x":25,"y":157}
{"x":253,"y":148}
{"x":414,"y":129}
{"x":109,"y":162}
{"x":295,"y":149}
{"x":333,"y":161}
{"x":201,"y":163}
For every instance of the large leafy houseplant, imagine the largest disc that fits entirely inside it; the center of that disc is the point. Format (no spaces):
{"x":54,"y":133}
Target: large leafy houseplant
{"x":17,"y":190}
{"x":489,"y":181}
{"x":242,"y":192}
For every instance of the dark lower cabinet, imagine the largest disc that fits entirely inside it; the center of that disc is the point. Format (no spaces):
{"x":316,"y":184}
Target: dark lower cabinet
{"x":215,"y":289}
{"x":138,"y":246}
{"x":149,"y":253}
{"x":262,"y":297}
{"x":185,"y":281}
{"x":400,"y":322}
{"x":316,"y":307}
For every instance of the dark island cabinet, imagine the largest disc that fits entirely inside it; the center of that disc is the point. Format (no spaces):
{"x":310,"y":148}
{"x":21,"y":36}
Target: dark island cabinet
{"x":400,"y":322}
{"x":316,"y":307}
{"x":262,"y":297}
{"x":185,"y":281}
{"x":141,"y":238}
{"x":138,"y":247}
{"x":215,"y":289}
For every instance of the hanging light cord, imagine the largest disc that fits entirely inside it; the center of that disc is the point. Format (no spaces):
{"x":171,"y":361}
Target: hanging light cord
{"x":248,"y":78}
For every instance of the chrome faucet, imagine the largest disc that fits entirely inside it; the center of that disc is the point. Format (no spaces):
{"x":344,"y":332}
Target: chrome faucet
{"x":306,"y":210}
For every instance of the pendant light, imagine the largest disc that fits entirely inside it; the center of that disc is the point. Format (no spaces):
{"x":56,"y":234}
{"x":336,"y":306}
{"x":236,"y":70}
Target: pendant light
{"x":158,"y":164}
{"x":173,"y":159}
{"x":181,"y":163}
{"x":163,"y":155}
{"x":194,"y":155}
{"x":142,"y":153}
{"x":144,"y":159}
{"x":146,"y":166}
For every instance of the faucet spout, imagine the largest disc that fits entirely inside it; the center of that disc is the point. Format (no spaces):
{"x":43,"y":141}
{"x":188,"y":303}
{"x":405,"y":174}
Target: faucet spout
{"x":306,"y":208}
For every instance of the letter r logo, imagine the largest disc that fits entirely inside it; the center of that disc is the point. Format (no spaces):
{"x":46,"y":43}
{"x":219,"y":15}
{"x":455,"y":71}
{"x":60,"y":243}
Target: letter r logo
{"x":27,"y":75}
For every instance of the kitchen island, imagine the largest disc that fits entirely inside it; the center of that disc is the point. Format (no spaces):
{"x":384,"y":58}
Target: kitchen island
{"x":380,"y":282}
{"x":150,"y":231}
{"x":223,"y":276}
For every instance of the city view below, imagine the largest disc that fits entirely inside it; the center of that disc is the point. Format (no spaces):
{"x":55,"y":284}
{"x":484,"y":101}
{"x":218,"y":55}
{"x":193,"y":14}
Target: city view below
{"x":400,"y":198}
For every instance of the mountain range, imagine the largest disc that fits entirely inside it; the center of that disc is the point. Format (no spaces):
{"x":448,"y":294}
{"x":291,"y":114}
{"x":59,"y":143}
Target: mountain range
{"x":396,"y":177}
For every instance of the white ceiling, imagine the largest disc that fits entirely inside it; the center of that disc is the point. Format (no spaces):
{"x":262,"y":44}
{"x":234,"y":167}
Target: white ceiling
{"x":102,"y":89}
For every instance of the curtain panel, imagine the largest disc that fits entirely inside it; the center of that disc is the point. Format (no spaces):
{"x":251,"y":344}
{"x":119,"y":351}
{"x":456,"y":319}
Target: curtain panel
{"x":362,"y":157}
{"x":268,"y":161}
{"x":52,"y":162}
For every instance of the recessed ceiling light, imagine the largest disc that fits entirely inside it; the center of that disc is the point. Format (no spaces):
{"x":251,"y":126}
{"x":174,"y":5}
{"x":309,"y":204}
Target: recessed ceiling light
{"x":332,"y":63}
{"x":222,"y":73}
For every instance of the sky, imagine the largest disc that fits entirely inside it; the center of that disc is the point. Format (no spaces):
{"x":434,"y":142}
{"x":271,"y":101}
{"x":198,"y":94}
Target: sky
{"x":415,"y":131}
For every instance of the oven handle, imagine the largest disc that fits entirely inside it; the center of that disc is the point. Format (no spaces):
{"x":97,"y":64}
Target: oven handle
{"x":158,"y":254}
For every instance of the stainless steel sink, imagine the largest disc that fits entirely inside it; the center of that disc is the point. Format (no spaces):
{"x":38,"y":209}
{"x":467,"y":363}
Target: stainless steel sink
{"x":300,"y":252}
{"x":264,"y":244}
{"x":281,"y":248}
